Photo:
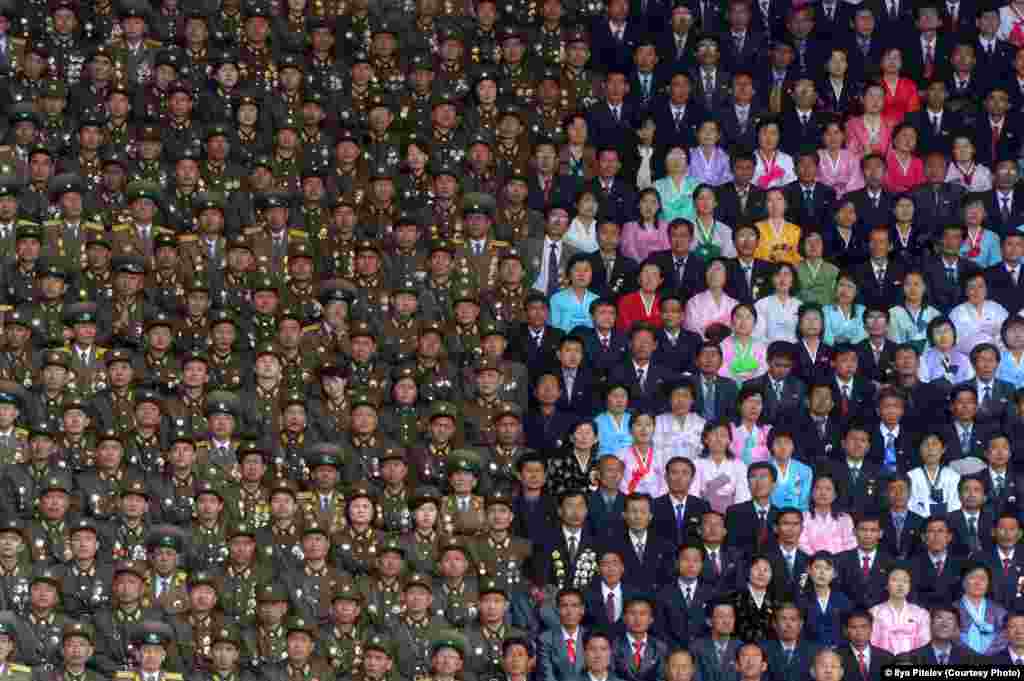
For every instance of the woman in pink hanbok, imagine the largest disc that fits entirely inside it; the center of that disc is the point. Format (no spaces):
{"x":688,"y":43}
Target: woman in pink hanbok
{"x":712,"y":306}
{"x":826,"y":529}
{"x":838,"y":168}
{"x":723,"y":477}
{"x":749,"y":438}
{"x":870,"y":133}
{"x":900,"y":626}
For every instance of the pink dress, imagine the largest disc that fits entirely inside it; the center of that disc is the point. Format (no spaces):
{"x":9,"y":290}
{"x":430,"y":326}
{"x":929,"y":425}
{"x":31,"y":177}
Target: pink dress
{"x":639,"y":242}
{"x":758,"y":452}
{"x":858,"y":139}
{"x":640,"y":479}
{"x":721,"y":485}
{"x":702,"y":312}
{"x":825,"y":533}
{"x":900,"y":179}
{"x":844,"y":175}
{"x":900,"y":632}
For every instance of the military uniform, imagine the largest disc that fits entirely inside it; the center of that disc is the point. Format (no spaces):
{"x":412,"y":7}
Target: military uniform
{"x":241,"y":583}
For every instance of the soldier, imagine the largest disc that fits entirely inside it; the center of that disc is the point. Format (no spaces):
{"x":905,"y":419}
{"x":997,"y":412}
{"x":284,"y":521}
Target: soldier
{"x":97,"y":279}
{"x":87,"y":582}
{"x":196,"y":628}
{"x":270,"y":241}
{"x":487,"y":634}
{"x":111,"y":202}
{"x":192,"y":332}
{"x":350,"y":179}
{"x":99,"y":489}
{"x":17,"y":566}
{"x":300,"y":662}
{"x":133,"y":51}
{"x":220,"y":176}
{"x":13,"y":439}
{"x":329,"y":409}
{"x":448,"y":653}
{"x":24,"y":123}
{"x":160,"y":366}
{"x":402,"y":419}
{"x":225,"y":655}
{"x":547,"y":120}
{"x":345,"y":639}
{"x":382,"y":590}
{"x":137,"y":237}
{"x":151,"y":167}
{"x":455,"y":592}
{"x":463,"y":331}
{"x":166,"y":586}
{"x":144,"y":446}
{"x":183,"y":140}
{"x":295,"y":434}
{"x":236,"y":292}
{"x":19,"y":360}
{"x":208,"y":549}
{"x":78,"y":645}
{"x":480,"y":413}
{"x":394,"y":506}
{"x":286,"y":156}
{"x":44,"y":623}
{"x":169,"y":275}
{"x":415,"y":107}
{"x":324,"y":505}
{"x":228,"y":366}
{"x":116,"y":627}
{"x":129,"y":529}
{"x":266,"y":640}
{"x":177,"y":489}
{"x":498,"y":554}
{"x":115,"y":405}
{"x":256,"y":55}
{"x":506,"y":302}
{"x":281,"y":540}
{"x":242,"y":575}
{"x":417,"y":627}
{"x":462,"y":512}
{"x":50,"y":394}
{"x":87,"y":165}
{"x":51,"y":284}
{"x":87,"y":360}
{"x":251,"y":496}
{"x":66,"y":235}
{"x":152,"y":640}
{"x":125,"y":317}
{"x":250,"y":146}
{"x":324,"y":65}
{"x":312,"y":215}
{"x":481,"y":250}
{"x":58,"y":128}
{"x":437,"y":378}
{"x":355,"y":547}
{"x":314,"y":582}
{"x":11,"y":189}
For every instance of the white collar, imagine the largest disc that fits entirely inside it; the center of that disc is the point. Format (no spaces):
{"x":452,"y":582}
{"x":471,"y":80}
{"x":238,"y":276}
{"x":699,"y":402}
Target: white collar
{"x":638,"y":538}
{"x":605,"y":589}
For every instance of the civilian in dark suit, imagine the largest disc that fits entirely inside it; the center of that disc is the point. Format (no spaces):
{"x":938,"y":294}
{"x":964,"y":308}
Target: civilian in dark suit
{"x":864,"y":45}
{"x":972,"y":524}
{"x":679,"y":526}
{"x":710,"y":74}
{"x":832,"y":21}
{"x":783,"y":392}
{"x":716,"y":395}
{"x":677,"y":348}
{"x":606,"y":596}
{"x":562,"y":190}
{"x":791,"y":656}
{"x":996,"y":123}
{"x":614,"y":37}
{"x":858,"y":481}
{"x":683,"y":272}
{"x":648,"y":558}
{"x":556,"y":554}
{"x":553,"y":654}
{"x":622,"y":278}
{"x":860,"y":653}
{"x":583,"y":400}
{"x":680,"y":613}
{"x":678,"y":115}
{"x":737,"y":118}
{"x":616,"y":198}
{"x":741,"y":47}
{"x":875,"y":354}
{"x":946,"y":274}
{"x":995,"y":396}
{"x":903,"y":444}
{"x":1001,"y":286}
{"x":677,"y":47}
{"x":535,"y":513}
{"x":771,"y":23}
{"x":716,"y":654}
{"x":865,"y":590}
{"x":817,"y":433}
{"x":740,"y":202}
{"x":881,"y":277}
{"x":874,"y":204}
{"x":613,"y":118}
{"x":894,"y":20}
{"x":535,"y":342}
{"x":935,"y":122}
{"x":936,"y":570}
{"x":916,"y":63}
{"x":653,"y":651}
{"x":708,"y":16}
{"x":802,"y":127}
{"x":1005,"y":561}
{"x":937,"y":202}
{"x":1004,"y":203}
{"x":723,"y":564}
{"x":945,"y":647}
{"x":546,"y":426}
{"x":605,"y":506}
{"x":787,"y":560}
{"x":749,"y":524}
{"x":647,"y":394}
{"x":1003,"y":487}
{"x":902,"y":529}
{"x":748,"y":279}
{"x":808,"y":202}
{"x":603,"y":349}
{"x":853,"y":394}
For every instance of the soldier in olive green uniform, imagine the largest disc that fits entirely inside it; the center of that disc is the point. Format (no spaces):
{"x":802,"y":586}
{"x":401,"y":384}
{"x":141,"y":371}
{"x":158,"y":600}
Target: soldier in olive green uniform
{"x":393,"y":507}
{"x":455,"y":589}
{"x":382,"y":589}
{"x":324,"y":504}
{"x":375,"y":661}
{"x":300,"y":664}
{"x":280,"y":541}
{"x":196,"y":628}
{"x":45,"y":624}
{"x":20,"y":276}
{"x":403,"y":419}
{"x":155,"y":635}
{"x":437,"y":378}
{"x":251,"y":497}
{"x":422,"y":543}
{"x":88,"y":584}
{"x":462,"y":512}
{"x":355,"y":547}
{"x":160,"y":365}
{"x":417,"y":628}
{"x":13,"y":437}
{"x":27,"y":480}
{"x":266,"y":641}
{"x":226,"y":661}
{"x":242,"y":575}
{"x":165,"y":587}
{"x":264,"y":326}
{"x":208,"y":548}
{"x":19,"y":359}
{"x":313,"y":583}
{"x":78,"y":640}
{"x":230,"y":370}
{"x":13,"y":671}
{"x":484,"y":637}
{"x":52,"y":280}
{"x":479,"y":414}
{"x":329,"y":411}
{"x":498,"y":554}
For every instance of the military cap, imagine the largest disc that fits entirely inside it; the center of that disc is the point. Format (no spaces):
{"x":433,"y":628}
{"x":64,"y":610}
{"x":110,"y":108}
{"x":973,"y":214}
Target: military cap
{"x":262,"y":161}
{"x":208,"y":201}
{"x":484,"y":137}
{"x":296,"y":623}
{"x":418,"y":579}
{"x":98,"y":239}
{"x":361,"y":398}
{"x":403,"y":371}
{"x":442,"y":97}
{"x":135,"y":486}
{"x":240,"y":529}
{"x":380,"y":99}
{"x":314,"y":96}
{"x":208,"y":487}
{"x":133,"y":8}
{"x":23,"y":113}
{"x":431,"y":327}
{"x":163,"y":240}
{"x":220,"y":57}
{"x":51,"y":267}
{"x":289,"y":123}
{"x":81,"y":313}
{"x":380,"y":643}
{"x":129,"y":264}
{"x":359,"y":329}
{"x":146,"y":394}
{"x":271,"y":592}
{"x":291,"y":60}
{"x":314,"y":526}
{"x":381,"y":171}
{"x":359,"y":57}
{"x":300,"y":249}
{"x":284,"y":485}
{"x":154,"y":633}
{"x":442,"y":245}
{"x":12,"y":393}
{"x":168,"y":56}
{"x":75,"y":401}
{"x":166,"y":536}
{"x":250,"y":446}
{"x":58,"y":358}
{"x":20,"y":318}
{"x":227,"y":633}
{"x":10,"y":186}
{"x":346,"y":591}
{"x":82,"y":525}
{"x":324,"y":454}
{"x":361,"y":490}
{"x":513,"y":110}
{"x":12,"y":525}
{"x":347,"y":135}
{"x":443,"y":408}
{"x":182,"y":433}
{"x":499,"y":497}
{"x":47,"y":573}
{"x":488,"y":364}
{"x":293,"y":397}
{"x":267,"y":348}
{"x":82,"y":629}
{"x":491,"y":586}
{"x":117,"y":355}
{"x":424,"y":495}
{"x":449,"y":638}
{"x":134,"y":567}
{"x":393,"y":454}
{"x":177,"y":86}
{"x":258,"y":9}
{"x":66,"y":183}
{"x":159,"y":319}
{"x":464,"y":460}
{"x":450,"y":31}
{"x":190,"y":153}
{"x":550,"y":74}
{"x":465,"y":294}
{"x":391,"y":544}
{"x":194,"y":356}
{"x":55,"y":89}
{"x":333,"y":370}
{"x":478,"y":203}
{"x":29,"y":230}
{"x":91,"y":118}
{"x":407,"y":286}
{"x":109,"y":435}
{"x":264,"y":282}
{"x":454,"y":544}
{"x":200,"y":577}
{"x":274,"y":199}
{"x":57,"y":481}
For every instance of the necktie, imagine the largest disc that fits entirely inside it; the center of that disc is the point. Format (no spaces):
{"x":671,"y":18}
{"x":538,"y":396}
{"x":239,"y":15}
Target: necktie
{"x":680,"y":267}
{"x":709,"y":85}
{"x":890,"y":451}
{"x":1015,"y":275}
{"x":607,"y":342}
{"x":463,"y":504}
{"x":892,"y":10}
{"x":854,"y":475}
{"x":688,"y":593}
{"x":618,"y":37}
{"x":880,"y":272}
{"x":324,"y":501}
{"x":790,"y":560}
{"x":738,"y":41}
{"x":972,"y":532}
{"x":935,"y":123}
{"x":748,"y":273}
{"x":569,"y":380}
{"x":941,"y":658}
{"x":929,"y":54}
{"x":897,"y":521}
{"x":777,"y":386}
{"x":710,"y":408}
{"x":641,"y":378}
{"x":478,"y":248}
{"x":717,"y":562}
{"x":1005,"y":210}
{"x":762,"y":535}
{"x":679,"y":517}
{"x":845,"y":404}
{"x":638,"y":653}
{"x":865,"y":566}
{"x":965,"y":441}
{"x":570,"y":649}
{"x":615,"y":112}
{"x":939,"y":564}
{"x":789,"y":655}
{"x":986,"y":393}
{"x":998,"y":486}
{"x":951,"y":275}
{"x":645,"y":83}
{"x":553,"y":269}
{"x":1006,"y":564}
{"x":640,"y":550}
{"x":83,"y":356}
{"x":809,"y":197}
{"x":862,"y":665}
{"x":803,"y":121}
{"x":996,"y":130}
{"x":572,"y":547}
{"x":609,"y":606}
{"x":538,"y":338}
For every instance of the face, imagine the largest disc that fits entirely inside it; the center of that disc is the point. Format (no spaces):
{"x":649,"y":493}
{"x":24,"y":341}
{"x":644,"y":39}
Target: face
{"x":899,"y":584}
{"x":869,"y":533}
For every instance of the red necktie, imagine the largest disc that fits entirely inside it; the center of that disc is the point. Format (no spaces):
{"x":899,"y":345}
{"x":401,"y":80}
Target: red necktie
{"x":607,"y":342}
{"x":571,"y":650}
{"x":1006,"y":564}
{"x":638,"y":653}
{"x":865,"y":566}
{"x":609,"y":606}
{"x":939,"y":564}
{"x":863,"y":667}
{"x":995,"y":140}
{"x":547,"y":190}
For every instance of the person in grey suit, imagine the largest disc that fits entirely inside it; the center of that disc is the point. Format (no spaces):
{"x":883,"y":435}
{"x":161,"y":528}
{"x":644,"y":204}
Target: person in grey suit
{"x":597,"y":658}
{"x":539,"y":252}
{"x":716,"y":654}
{"x":560,"y":649}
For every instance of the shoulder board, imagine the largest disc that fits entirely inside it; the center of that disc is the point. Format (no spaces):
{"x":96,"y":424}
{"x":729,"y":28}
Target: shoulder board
{"x":18,"y":41}
{"x":173,"y":675}
{"x":124,"y":226}
{"x":6,"y":308}
{"x":305,"y":496}
{"x":164,"y":230}
{"x":5,"y":148}
{"x":458,"y":241}
{"x":101,"y":351}
{"x":66,"y":348}
{"x":52,"y":223}
{"x":253,"y":230}
{"x":500,"y":244}
{"x":20,"y":668}
{"x":203,"y":445}
{"x":124,"y":675}
{"x":96,"y":226}
{"x":298,"y":233}
{"x":21,"y":431}
{"x":27,"y":223}
{"x":149,"y":42}
{"x":186,"y":238}
{"x":312,"y":328}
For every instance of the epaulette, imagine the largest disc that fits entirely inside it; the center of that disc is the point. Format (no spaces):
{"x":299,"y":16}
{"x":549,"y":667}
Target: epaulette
{"x":204,"y":444}
{"x":500,"y":244}
{"x":163,"y":230}
{"x":27,"y":223}
{"x":101,"y":351}
{"x":253,"y":230}
{"x":123,"y":227}
{"x":186,"y":238}
{"x":153,"y":44}
{"x":458,"y":242}
{"x":126,"y":675}
{"x":21,"y":431}
{"x":312,"y":328}
{"x":18,"y":42}
{"x":304,"y":496}
{"x":95,"y":226}
{"x":5,"y":148}
{"x":52,"y":223}
{"x":6,"y":308}
{"x":173,"y":675}
{"x":298,"y":233}
{"x":20,"y":668}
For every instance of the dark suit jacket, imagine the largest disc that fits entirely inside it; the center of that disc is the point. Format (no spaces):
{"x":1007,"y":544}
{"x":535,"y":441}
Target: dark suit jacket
{"x":775,"y":411}
{"x":605,"y":521}
{"x":906,"y":451}
{"x":654,"y":654}
{"x":894,"y":30}
{"x":797,"y":136}
{"x":651,"y":397}
{"x":548,"y":433}
{"x":676,"y":622}
{"x":616,"y":133}
{"x":786,"y":584}
{"x":847,"y":102}
{"x":861,"y":404}
{"x":865,"y":592}
{"x":870,"y":214}
{"x":929,"y":140}
{"x":726,"y":392}
{"x":732,"y":575}
{"x":942,"y":293}
{"x":1009,"y":142}
{"x":597,"y":615}
{"x":556,"y":543}
{"x":954,"y":448}
{"x":931,"y":588}
{"x":994,"y":413}
{"x":855,"y":497}
{"x":582,"y":401}
{"x":906,"y":543}
{"x":673,"y":59}
{"x":878,"y":658}
{"x":525,"y":351}
{"x":610,"y":53}
{"x":958,"y":523}
{"x":719,"y":95}
{"x":619,"y":204}
{"x":960,"y":654}
{"x":745,"y":59}
{"x":812,"y":447}
{"x":931,"y":212}
{"x":871,"y":369}
{"x":914,"y":57}
{"x":664,"y":523}
{"x":731,"y":212}
{"x":669,"y":132}
{"x":743,"y":527}
{"x":863,"y":66}
{"x":596,"y":357}
{"x":654,"y":569}
{"x":993,"y":208}
{"x":1004,"y":579}
{"x":563,"y":192}
{"x":917,"y":246}
{"x":692,"y":281}
{"x":845,"y":255}
{"x":677,"y":356}
{"x":887,"y":293}
{"x":1002,"y":289}
{"x":796,"y":668}
{"x":809,"y":214}
{"x":620,"y":281}
{"x":1011,"y":500}
{"x":734,"y":134}
{"x":534,"y":520}
{"x":736,"y":282}
{"x":711,"y":666}
{"x":631,"y":160}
